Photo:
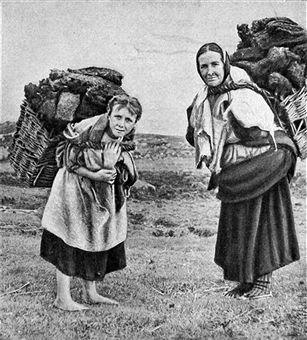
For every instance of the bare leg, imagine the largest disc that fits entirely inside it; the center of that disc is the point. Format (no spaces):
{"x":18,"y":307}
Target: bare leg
{"x":63,"y":299}
{"x":90,"y":294}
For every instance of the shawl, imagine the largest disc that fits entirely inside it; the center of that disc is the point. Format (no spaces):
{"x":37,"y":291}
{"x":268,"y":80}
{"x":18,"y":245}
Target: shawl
{"x":211,"y":128}
{"x":84,"y":147}
{"x":86,"y":214}
{"x":253,"y":177}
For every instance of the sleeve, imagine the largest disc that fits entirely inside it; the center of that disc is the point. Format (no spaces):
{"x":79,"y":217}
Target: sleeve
{"x":70,"y":152}
{"x":190,"y":129}
{"x":128,"y":172}
{"x":69,"y":156}
{"x":93,"y":159}
{"x":251,"y":110}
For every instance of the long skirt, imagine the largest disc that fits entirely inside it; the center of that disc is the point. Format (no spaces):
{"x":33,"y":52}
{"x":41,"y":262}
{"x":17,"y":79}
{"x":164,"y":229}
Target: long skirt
{"x":257,"y":236}
{"x":91,"y":266}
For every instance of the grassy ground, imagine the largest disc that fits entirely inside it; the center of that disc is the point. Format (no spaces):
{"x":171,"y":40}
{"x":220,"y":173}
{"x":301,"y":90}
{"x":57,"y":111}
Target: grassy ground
{"x":171,"y":288}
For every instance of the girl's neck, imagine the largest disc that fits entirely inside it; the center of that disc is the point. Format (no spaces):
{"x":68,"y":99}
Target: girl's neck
{"x":108,"y":137}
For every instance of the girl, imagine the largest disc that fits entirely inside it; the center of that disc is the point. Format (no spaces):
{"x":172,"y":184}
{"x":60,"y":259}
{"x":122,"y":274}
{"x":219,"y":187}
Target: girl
{"x":85,"y":219}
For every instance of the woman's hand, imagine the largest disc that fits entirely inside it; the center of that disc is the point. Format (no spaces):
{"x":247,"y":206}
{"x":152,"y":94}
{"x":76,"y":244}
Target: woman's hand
{"x":111,"y":155}
{"x":105,"y":175}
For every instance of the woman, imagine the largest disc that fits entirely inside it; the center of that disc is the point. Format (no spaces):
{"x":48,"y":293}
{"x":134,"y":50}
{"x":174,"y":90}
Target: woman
{"x":236,"y":135}
{"x":85,"y":219}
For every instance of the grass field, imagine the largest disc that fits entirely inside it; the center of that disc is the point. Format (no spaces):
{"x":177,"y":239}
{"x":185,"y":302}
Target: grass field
{"x":171,"y":288}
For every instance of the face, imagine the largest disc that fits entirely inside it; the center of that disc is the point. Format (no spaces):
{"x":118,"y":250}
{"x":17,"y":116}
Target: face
{"x":121,"y":121}
{"x":211,"y":68}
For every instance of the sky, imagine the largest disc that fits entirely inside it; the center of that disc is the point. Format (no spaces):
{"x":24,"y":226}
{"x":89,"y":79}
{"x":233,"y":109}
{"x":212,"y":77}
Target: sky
{"x":152,"y":43}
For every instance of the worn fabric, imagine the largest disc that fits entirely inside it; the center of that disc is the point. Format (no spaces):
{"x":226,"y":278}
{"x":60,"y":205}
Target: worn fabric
{"x":256,"y":232}
{"x":92,"y":266}
{"x":251,"y":159}
{"x":250,"y":177}
{"x":85,"y":214}
{"x":257,"y":236}
{"x":211,"y":126}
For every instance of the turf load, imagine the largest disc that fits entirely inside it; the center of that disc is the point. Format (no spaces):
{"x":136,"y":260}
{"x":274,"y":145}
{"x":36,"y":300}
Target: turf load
{"x":274,"y":54}
{"x":63,"y":97}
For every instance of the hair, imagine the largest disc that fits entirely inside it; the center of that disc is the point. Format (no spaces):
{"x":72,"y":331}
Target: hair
{"x":214,"y":47}
{"x":210,"y":47}
{"x":125,"y":101}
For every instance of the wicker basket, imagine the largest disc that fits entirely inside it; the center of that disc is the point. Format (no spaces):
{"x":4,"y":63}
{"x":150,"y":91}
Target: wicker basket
{"x":32,"y":153}
{"x":296,"y":111}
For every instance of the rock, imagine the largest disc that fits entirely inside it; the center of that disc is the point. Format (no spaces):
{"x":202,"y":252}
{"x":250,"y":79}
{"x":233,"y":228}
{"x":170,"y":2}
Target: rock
{"x":67,"y":106}
{"x":295,"y":73}
{"x":102,"y":72}
{"x":280,"y":85}
{"x":87,"y":109}
{"x":4,"y":153}
{"x":268,"y":32}
{"x":47,"y":110}
{"x":246,"y":36}
{"x":248,"y":53}
{"x":278,"y":59}
{"x":67,"y":89}
{"x":56,"y":74}
{"x":301,"y":50}
{"x":142,"y":185}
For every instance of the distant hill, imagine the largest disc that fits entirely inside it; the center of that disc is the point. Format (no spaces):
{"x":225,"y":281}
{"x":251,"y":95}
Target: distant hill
{"x":149,"y":146}
{"x":7,"y":127}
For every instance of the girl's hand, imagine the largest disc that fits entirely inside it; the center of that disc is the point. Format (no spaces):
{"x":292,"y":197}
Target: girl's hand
{"x":105,"y":175}
{"x":111,"y":154}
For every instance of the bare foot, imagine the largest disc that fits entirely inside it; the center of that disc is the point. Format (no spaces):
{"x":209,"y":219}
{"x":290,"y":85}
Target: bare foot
{"x":96,"y":298}
{"x":69,"y":305}
{"x":239,"y":290}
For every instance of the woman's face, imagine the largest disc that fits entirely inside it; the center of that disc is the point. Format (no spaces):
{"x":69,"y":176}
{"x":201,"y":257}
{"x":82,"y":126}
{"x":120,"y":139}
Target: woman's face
{"x":211,"y":68}
{"x":121,"y":121}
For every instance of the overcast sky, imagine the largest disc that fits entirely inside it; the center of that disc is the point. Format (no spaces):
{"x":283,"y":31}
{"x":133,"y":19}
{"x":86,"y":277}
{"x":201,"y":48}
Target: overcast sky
{"x":153,"y":44}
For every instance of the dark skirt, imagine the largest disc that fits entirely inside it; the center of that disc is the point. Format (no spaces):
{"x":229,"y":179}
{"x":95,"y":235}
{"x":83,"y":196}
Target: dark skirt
{"x":257,"y":236}
{"x":91,"y":266}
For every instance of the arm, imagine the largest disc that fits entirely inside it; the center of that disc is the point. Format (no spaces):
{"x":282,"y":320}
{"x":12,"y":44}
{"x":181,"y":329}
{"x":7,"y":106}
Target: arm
{"x":190,"y":130}
{"x":103,"y":175}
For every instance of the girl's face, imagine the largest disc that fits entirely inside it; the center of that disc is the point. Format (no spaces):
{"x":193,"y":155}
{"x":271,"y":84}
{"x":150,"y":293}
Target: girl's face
{"x":121,"y":121}
{"x":211,"y":68}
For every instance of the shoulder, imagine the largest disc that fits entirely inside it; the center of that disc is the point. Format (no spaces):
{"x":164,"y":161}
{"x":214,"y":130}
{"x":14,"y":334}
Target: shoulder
{"x":248,"y":96}
{"x":238,"y":74}
{"x":85,"y":124}
{"x":76,"y":131}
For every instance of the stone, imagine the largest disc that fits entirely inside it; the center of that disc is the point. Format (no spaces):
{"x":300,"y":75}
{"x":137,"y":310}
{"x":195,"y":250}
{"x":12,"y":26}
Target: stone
{"x":280,"y":85}
{"x":248,"y":53}
{"x":67,"y":106}
{"x":295,"y":73}
{"x":143,"y":185}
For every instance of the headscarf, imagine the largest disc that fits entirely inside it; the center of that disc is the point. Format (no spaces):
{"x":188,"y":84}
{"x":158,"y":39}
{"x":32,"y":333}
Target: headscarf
{"x":224,"y":56}
{"x":228,"y":84}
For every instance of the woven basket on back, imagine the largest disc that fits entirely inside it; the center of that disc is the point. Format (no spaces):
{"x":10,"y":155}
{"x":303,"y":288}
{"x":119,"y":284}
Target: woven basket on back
{"x":32,"y":153}
{"x":295,"y":109}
